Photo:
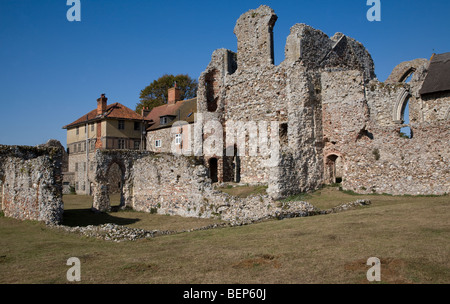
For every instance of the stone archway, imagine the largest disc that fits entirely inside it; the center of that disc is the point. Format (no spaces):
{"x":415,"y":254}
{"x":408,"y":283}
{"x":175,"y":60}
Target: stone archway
{"x":115,"y":181}
{"x":334,"y":169}
{"x":102,"y":184}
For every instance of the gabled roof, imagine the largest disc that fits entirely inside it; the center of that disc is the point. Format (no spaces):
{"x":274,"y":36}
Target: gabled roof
{"x":438,"y":77}
{"x":183,"y":110}
{"x":115,"y":110}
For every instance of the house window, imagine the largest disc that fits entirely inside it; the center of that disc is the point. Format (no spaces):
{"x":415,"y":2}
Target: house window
{"x":137,"y":126}
{"x":178,"y":139}
{"x":92,"y":145}
{"x":76,"y":167}
{"x":84,"y":166}
{"x":121,"y":143}
{"x":164,"y":120}
{"x":158,"y":143}
{"x":92,"y":128}
{"x":79,"y":148}
{"x":78,"y":130}
{"x":76,"y":186}
{"x":121,"y":124}
{"x":137,"y":144}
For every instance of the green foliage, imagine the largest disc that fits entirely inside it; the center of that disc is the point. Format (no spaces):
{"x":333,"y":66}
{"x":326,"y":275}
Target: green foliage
{"x":156,"y":93}
{"x":297,"y":197}
{"x":376,"y":154}
{"x":72,"y":190}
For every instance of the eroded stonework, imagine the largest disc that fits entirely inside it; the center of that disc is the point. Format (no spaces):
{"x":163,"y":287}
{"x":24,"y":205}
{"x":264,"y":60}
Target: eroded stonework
{"x":31,"y":182}
{"x":337,"y":122}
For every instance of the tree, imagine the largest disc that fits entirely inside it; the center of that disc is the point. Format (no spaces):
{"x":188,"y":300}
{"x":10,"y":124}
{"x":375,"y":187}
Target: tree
{"x":155,"y":94}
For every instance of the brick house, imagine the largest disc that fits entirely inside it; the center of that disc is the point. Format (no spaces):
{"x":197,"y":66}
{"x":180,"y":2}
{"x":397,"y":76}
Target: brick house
{"x":113,"y":126}
{"x":170,"y":126}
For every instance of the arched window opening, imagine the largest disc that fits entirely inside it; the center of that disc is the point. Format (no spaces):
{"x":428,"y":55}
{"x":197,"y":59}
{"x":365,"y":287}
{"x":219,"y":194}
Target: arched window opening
{"x":212,"y":90}
{"x":406,"y":78}
{"x":406,"y":131}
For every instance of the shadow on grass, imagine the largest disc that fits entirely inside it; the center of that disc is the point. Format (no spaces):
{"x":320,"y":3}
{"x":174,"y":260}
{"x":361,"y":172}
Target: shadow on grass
{"x":86,"y":217}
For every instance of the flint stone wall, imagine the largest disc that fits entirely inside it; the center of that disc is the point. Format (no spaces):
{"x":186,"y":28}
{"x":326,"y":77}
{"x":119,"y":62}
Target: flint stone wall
{"x":179,"y":185}
{"x":31,"y":180}
{"x":360,"y":127}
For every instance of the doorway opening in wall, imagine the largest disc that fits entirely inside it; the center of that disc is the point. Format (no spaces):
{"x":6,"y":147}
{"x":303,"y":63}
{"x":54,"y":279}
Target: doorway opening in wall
{"x":333,"y":169}
{"x":115,"y":176}
{"x":213,"y":170}
{"x":237,"y":165}
{"x":1,"y":194}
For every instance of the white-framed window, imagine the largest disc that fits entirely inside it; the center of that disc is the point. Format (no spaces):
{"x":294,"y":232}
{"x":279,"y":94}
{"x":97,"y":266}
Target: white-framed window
{"x":178,"y":139}
{"x":158,"y":143}
{"x":121,"y":144}
{"x":137,"y":145}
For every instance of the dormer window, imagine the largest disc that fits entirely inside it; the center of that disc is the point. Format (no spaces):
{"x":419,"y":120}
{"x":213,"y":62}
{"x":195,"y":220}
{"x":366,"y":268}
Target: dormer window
{"x":164,"y":120}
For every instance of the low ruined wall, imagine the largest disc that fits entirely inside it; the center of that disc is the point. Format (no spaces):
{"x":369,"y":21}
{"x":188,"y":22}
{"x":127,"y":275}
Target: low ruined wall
{"x":376,"y":158}
{"x":391,"y":164}
{"x":31,"y":183}
{"x":179,"y":185}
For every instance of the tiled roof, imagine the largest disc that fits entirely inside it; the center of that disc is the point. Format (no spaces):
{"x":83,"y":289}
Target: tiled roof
{"x":115,"y":110}
{"x":438,"y":77}
{"x":183,"y":110}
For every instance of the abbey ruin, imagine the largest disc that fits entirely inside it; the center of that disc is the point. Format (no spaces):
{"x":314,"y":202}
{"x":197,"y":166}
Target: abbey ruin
{"x":330,"y":120}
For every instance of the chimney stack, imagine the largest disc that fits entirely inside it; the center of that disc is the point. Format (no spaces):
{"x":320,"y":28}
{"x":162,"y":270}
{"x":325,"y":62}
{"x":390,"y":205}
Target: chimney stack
{"x":174,"y":95}
{"x":101,"y":105}
{"x":145,"y":112}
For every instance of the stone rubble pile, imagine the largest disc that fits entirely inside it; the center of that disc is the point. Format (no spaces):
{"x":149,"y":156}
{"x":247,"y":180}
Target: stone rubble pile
{"x":117,"y":233}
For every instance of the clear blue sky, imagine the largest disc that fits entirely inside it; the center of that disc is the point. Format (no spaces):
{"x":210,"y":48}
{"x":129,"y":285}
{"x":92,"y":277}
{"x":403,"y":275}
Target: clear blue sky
{"x":52,"y":70}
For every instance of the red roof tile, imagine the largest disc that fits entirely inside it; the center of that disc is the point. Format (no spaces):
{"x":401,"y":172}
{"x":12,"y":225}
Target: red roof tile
{"x":182,"y":111}
{"x":115,"y":110}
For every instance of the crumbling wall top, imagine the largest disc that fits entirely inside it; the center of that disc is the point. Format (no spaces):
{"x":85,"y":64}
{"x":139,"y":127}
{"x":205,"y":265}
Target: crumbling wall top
{"x":254,"y":32}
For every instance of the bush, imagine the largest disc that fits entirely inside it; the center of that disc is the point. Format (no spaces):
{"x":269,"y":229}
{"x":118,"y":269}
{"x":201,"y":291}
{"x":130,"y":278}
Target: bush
{"x":376,"y":154}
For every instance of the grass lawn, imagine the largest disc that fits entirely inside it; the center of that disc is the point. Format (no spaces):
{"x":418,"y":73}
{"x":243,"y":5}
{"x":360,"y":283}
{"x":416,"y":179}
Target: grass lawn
{"x":409,"y":234}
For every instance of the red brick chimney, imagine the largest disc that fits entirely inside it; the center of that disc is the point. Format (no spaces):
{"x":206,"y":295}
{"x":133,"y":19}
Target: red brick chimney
{"x":174,"y":95}
{"x":101,"y":105}
{"x":145,"y":112}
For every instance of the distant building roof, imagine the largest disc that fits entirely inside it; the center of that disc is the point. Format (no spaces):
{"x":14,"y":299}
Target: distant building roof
{"x":438,"y":77}
{"x":183,"y":110}
{"x":115,"y":110}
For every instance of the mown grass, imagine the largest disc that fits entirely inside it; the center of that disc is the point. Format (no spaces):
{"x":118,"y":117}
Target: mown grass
{"x":244,"y":191}
{"x":408,"y":234}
